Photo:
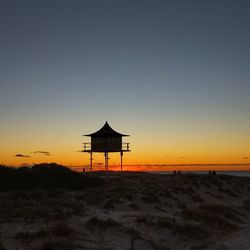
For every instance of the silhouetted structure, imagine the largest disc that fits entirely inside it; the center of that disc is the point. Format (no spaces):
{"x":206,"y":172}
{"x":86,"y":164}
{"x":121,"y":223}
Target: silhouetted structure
{"x":106,"y":140}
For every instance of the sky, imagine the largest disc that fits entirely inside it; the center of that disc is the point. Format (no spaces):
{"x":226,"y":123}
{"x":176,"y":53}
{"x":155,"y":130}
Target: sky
{"x":173,"y":74}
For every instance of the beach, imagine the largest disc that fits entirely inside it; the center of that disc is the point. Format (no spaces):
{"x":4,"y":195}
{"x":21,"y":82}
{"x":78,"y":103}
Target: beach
{"x":131,"y":211}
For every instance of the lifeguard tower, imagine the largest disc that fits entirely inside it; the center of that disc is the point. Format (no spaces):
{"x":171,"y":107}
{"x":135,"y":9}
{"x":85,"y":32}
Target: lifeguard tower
{"x":106,"y":140}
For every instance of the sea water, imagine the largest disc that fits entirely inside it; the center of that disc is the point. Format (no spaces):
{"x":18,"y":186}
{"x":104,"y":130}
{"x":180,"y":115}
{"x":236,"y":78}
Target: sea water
{"x":234,"y":173}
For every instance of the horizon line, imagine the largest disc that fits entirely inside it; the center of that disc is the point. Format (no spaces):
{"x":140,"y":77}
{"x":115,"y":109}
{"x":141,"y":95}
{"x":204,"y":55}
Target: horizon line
{"x":178,"y":165}
{"x":142,"y":165}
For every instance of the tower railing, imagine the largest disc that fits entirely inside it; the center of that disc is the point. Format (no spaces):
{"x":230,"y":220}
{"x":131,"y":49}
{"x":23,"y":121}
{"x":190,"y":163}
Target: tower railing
{"x":125,"y":146}
{"x":87,"y":147}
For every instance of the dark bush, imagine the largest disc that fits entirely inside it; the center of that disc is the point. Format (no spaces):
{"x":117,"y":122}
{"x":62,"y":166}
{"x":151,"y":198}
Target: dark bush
{"x":95,"y":222}
{"x":44,"y":176}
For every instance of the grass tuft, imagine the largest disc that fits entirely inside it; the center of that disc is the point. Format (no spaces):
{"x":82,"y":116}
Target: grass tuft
{"x":57,"y":245}
{"x":95,"y":222}
{"x":217,"y":216}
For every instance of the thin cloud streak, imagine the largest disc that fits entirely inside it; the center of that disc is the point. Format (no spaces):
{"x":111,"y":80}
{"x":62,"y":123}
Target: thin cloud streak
{"x":22,"y":156}
{"x":42,"y":152}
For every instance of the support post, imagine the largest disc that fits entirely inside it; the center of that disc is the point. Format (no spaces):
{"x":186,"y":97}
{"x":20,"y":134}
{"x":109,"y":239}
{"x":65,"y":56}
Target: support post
{"x":121,"y":161}
{"x":91,"y":162}
{"x":106,"y":163}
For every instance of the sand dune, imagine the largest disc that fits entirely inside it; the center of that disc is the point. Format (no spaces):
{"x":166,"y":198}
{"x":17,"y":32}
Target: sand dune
{"x":133,"y":211}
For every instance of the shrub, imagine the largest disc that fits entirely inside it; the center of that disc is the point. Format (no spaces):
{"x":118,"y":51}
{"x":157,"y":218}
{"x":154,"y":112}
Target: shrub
{"x":191,"y":230}
{"x":46,"y":176}
{"x":28,"y":236}
{"x":62,"y":230}
{"x":166,"y":222}
{"x":109,"y":205}
{"x":181,"y":206}
{"x":144,"y":220}
{"x":246,"y":205}
{"x":1,"y":247}
{"x":196,"y":198}
{"x":150,"y":198}
{"x":133,"y":205}
{"x":57,"y":245}
{"x":95,"y":222}
{"x":214,"y":215}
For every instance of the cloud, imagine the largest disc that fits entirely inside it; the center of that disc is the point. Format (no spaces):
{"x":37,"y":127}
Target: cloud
{"x":245,"y":158}
{"x":22,"y":156}
{"x":42,"y":152}
{"x":176,"y":157}
{"x":183,"y":157}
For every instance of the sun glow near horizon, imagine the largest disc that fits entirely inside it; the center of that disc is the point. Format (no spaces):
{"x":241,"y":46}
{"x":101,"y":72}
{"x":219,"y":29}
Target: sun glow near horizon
{"x":149,"y":147}
{"x":134,"y":161}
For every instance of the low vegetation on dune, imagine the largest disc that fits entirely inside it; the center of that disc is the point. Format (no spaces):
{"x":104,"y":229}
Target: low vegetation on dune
{"x":44,"y":176}
{"x":51,"y":207}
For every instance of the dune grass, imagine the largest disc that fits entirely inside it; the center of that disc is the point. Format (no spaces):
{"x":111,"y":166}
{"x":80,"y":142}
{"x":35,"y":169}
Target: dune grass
{"x":100,"y":223}
{"x":150,"y":210}
{"x":217,"y":216}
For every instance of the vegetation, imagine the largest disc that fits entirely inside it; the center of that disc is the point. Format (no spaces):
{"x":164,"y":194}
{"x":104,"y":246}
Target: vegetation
{"x":1,"y":246}
{"x":44,"y":176}
{"x":218,"y":216}
{"x":139,"y":211}
{"x":57,"y":245}
{"x":95,"y":222}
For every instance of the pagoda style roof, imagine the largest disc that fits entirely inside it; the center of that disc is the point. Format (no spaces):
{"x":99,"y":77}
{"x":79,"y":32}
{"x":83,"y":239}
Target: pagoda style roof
{"x":106,"y":131}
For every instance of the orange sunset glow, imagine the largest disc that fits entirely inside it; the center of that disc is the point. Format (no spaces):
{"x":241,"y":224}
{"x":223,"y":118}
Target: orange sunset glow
{"x":150,"y":153}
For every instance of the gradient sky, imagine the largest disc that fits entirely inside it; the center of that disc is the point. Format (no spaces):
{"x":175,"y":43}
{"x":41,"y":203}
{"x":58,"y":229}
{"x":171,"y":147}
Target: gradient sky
{"x":173,"y":74}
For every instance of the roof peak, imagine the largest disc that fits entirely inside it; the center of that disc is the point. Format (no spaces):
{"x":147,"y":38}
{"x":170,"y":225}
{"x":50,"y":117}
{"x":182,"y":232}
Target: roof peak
{"x":106,"y":131}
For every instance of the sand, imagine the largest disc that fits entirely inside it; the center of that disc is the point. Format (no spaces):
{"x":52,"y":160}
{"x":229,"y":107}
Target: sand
{"x":135,"y":211}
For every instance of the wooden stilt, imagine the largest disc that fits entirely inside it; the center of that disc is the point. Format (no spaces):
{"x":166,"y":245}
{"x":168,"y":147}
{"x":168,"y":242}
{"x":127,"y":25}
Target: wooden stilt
{"x":106,"y":163}
{"x":91,"y":162}
{"x":121,"y":161}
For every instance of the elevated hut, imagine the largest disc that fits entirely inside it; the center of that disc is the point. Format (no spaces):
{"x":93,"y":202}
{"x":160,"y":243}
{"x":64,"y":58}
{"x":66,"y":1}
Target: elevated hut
{"x":106,"y":140}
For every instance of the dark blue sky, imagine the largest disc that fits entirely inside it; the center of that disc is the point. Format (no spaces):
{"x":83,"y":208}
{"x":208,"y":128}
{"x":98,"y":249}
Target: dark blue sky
{"x":162,"y":66}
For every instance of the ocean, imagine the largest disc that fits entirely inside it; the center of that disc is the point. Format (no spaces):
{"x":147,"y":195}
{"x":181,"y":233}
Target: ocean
{"x":234,"y":173}
{"x":226,"y":169}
